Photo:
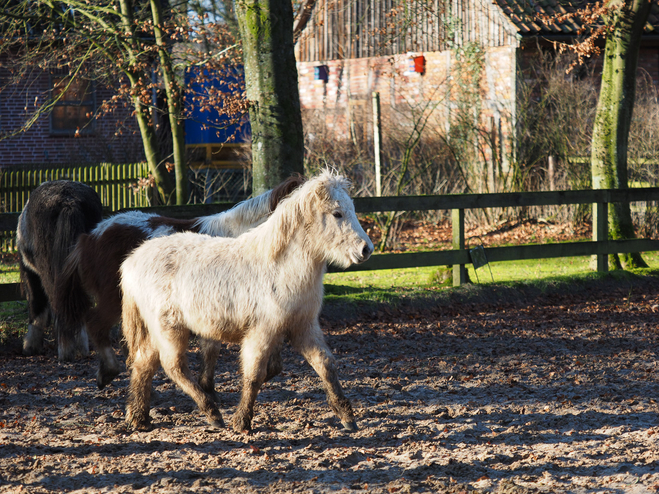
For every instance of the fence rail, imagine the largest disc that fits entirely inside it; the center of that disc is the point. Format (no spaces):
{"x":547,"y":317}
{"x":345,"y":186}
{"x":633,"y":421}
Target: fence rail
{"x":459,"y":255}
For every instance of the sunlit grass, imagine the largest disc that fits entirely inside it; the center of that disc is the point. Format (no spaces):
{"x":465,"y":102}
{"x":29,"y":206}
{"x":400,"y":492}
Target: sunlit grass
{"x":9,"y":273}
{"x":405,"y":281}
{"x":13,"y":315}
{"x":13,"y":321}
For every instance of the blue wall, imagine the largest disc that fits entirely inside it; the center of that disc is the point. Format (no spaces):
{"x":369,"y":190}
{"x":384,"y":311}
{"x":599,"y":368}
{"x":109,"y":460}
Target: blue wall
{"x":195,"y":133}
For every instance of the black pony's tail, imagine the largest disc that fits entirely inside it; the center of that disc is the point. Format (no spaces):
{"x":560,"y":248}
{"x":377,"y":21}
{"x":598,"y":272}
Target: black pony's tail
{"x":70,"y":301}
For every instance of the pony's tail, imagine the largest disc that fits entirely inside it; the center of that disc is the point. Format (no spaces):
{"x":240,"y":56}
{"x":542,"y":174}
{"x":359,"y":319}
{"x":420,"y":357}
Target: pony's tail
{"x":70,"y":225}
{"x":71,"y":301}
{"x":135,"y":332}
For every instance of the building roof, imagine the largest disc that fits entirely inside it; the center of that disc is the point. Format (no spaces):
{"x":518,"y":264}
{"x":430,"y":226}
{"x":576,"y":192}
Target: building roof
{"x":525,"y":15}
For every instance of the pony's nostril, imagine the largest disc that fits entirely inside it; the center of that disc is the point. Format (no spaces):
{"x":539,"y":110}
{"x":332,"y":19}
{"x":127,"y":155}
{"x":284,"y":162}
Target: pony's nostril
{"x":366,"y":252}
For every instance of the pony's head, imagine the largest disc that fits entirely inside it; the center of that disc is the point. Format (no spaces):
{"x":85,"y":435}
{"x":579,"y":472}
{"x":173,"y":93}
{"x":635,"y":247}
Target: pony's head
{"x":322,"y":212}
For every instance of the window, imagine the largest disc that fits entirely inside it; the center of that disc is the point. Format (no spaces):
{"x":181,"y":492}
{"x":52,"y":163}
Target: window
{"x":73,"y":112}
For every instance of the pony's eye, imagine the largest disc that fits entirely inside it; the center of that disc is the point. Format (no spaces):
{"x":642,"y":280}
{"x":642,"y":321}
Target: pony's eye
{"x":337,"y":214}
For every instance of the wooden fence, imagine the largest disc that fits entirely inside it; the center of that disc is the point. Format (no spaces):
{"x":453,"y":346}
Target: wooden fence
{"x":113,"y":183}
{"x":459,"y":256}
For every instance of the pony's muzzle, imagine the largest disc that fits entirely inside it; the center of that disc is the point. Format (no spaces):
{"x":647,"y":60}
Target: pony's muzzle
{"x":367,"y":250}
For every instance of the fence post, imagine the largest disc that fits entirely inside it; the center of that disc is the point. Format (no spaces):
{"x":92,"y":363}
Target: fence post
{"x":458,"y":226}
{"x":601,"y":232}
{"x":377,"y":143}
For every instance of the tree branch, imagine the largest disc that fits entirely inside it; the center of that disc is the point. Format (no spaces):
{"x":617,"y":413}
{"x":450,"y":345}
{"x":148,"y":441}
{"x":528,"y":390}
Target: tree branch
{"x":302,"y":18}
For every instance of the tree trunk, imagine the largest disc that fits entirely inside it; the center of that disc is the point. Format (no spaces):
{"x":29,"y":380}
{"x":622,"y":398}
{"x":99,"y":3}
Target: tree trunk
{"x":174,"y":94}
{"x":164,"y":182}
{"x":266,"y":29}
{"x":614,"y":113}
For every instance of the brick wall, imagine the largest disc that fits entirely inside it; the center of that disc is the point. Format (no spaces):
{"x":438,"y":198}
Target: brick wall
{"x":343,"y":104}
{"x":115,"y":137}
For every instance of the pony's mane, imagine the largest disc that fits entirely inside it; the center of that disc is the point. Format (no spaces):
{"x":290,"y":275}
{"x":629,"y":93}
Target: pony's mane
{"x":232,"y":222}
{"x":248,"y":213}
{"x":296,"y":208}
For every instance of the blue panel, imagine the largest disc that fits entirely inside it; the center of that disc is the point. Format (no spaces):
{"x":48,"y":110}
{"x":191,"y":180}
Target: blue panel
{"x":202,"y":126}
{"x":321,"y":73}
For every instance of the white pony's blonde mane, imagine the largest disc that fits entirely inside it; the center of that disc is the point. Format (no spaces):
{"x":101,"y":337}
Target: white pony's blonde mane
{"x":297,"y":209}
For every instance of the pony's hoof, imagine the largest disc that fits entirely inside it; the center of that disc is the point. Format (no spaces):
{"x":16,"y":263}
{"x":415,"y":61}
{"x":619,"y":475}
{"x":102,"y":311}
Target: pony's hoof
{"x":67,"y":354}
{"x":217,"y":423}
{"x":350,"y":426}
{"x":144,"y":426}
{"x":241,"y":425}
{"x":30,"y":351}
{"x":106,"y":376}
{"x":138,"y":422}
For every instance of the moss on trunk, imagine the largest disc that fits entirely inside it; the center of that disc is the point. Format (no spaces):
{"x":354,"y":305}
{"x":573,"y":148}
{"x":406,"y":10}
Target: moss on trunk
{"x":266,"y":28}
{"x":614,"y":113}
{"x":174,"y":93}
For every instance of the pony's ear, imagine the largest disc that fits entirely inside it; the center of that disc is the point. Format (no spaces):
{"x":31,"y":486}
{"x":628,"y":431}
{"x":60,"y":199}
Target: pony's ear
{"x":320,"y":193}
{"x":284,"y":189}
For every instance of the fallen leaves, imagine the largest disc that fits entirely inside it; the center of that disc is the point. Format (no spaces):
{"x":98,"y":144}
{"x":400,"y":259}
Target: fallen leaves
{"x":468,"y":392}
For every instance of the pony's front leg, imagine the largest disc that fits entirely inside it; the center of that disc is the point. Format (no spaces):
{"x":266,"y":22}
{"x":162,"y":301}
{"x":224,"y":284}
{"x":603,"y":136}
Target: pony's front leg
{"x":255,"y":353}
{"x":210,"y":350}
{"x":99,"y":321}
{"x":70,"y":342}
{"x":311,"y":344}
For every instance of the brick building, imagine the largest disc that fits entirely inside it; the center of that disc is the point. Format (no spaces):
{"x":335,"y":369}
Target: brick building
{"x":351,"y":48}
{"x":68,"y":134}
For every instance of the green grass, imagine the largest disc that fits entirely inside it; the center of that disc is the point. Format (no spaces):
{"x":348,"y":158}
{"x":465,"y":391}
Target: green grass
{"x":13,"y":315}
{"x":9,"y":273}
{"x":389,"y":285}
{"x":13,"y":321}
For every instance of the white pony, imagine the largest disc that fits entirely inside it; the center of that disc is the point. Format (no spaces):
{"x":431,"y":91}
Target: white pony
{"x":259,"y":289}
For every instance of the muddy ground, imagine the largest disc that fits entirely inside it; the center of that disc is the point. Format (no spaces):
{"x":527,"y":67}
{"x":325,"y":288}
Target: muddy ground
{"x":552,"y":393}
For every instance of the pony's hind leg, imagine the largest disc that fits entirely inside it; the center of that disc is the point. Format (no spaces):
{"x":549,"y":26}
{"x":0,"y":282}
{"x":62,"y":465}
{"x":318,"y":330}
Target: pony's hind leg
{"x":38,"y":311}
{"x":255,"y":354}
{"x":99,"y":322}
{"x":138,"y":403}
{"x":311,"y":344}
{"x":175,"y":365}
{"x":33,"y":341}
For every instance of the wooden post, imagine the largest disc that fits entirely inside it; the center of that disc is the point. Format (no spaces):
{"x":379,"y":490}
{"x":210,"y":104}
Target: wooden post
{"x":601,"y":232}
{"x":458,"y":225}
{"x":377,"y":143}
{"x":551,"y":171}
